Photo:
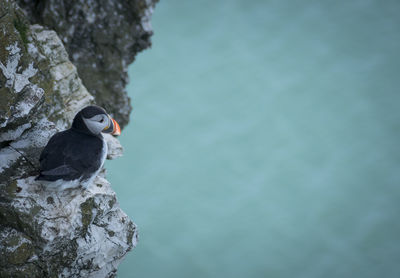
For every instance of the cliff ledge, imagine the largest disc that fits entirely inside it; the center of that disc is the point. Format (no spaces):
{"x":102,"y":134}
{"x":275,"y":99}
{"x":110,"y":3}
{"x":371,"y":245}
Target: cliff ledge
{"x":43,"y":233}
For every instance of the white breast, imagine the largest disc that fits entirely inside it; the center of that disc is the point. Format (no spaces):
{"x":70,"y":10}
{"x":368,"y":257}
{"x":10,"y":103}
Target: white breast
{"x":104,"y":152}
{"x":103,"y":157}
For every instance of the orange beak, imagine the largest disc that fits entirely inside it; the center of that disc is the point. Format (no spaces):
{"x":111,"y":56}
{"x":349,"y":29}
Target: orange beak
{"x":116,"y":128}
{"x":113,"y":127}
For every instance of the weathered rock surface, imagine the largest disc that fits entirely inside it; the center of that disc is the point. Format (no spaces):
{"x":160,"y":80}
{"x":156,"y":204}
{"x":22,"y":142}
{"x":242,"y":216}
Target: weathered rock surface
{"x":73,"y":233}
{"x":102,"y":38}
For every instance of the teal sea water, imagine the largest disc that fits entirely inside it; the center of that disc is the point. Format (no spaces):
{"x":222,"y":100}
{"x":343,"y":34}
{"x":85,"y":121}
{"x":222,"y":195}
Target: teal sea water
{"x":264,"y":141}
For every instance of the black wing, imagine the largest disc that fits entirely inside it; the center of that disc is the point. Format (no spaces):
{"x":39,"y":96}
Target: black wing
{"x":70,"y":155}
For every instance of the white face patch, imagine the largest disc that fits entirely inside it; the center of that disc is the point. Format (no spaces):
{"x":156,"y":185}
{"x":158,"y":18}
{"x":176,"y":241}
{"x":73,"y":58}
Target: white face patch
{"x":97,"y":124}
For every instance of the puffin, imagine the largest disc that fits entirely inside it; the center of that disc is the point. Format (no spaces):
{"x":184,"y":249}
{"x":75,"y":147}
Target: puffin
{"x":75,"y":156}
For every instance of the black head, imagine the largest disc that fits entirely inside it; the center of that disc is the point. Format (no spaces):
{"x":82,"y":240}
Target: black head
{"x":92,"y":110}
{"x":94,"y":120}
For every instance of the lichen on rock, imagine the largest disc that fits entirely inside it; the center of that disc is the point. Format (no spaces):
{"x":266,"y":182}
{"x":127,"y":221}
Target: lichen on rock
{"x":43,"y":233}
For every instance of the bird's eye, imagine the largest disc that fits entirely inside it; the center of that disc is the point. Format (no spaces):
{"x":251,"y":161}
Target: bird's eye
{"x":102,"y":120}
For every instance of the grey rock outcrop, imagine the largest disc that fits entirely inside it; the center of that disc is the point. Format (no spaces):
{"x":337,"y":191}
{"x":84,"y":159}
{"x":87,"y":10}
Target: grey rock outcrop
{"x":73,"y":233}
{"x":102,"y":38}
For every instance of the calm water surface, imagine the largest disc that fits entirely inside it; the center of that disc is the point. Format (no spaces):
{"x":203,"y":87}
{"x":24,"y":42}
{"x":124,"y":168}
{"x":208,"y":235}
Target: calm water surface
{"x":264,"y":141}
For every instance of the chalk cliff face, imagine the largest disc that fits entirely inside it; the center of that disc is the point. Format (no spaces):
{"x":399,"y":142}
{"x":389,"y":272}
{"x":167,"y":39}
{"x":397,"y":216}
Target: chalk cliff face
{"x":102,"y":38}
{"x":73,"y":233}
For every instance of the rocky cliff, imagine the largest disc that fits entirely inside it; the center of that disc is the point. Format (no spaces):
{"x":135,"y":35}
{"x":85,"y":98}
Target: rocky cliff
{"x":77,"y":232}
{"x":102,"y":37}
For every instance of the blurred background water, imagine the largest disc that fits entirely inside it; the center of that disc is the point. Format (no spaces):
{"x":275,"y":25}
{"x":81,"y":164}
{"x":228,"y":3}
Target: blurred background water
{"x":264,"y":141}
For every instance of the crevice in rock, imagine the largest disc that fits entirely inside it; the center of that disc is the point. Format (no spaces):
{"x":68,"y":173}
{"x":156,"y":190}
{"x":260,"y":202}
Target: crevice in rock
{"x":26,"y":159}
{"x":5,"y":144}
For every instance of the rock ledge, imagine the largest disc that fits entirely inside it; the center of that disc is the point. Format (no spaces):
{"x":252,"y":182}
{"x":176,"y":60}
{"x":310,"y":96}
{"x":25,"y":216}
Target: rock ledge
{"x":73,"y":233}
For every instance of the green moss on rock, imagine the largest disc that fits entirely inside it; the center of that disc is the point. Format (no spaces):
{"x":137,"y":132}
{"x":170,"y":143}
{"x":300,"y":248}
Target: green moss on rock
{"x":87,"y":213}
{"x":22,"y":29}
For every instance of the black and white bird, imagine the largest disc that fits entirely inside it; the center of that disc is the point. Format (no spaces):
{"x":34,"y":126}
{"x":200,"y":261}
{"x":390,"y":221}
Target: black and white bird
{"x":75,"y":156}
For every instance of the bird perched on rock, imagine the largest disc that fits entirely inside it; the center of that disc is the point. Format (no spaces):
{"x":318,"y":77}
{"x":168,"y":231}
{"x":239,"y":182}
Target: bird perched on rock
{"x":75,"y":156}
